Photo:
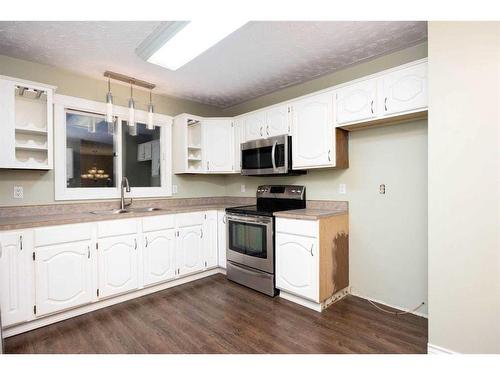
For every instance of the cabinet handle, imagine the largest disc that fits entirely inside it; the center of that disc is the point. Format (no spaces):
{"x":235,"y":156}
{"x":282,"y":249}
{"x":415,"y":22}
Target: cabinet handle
{"x":208,"y":165}
{"x":267,"y":129}
{"x":329,"y":152}
{"x":312,"y":245}
{"x":146,"y":238}
{"x":224,"y":219}
{"x":135,"y":243}
{"x":201,"y":233}
{"x":261,"y":131}
{"x":371,"y":107}
{"x":385,"y":103}
{"x":88,"y":252}
{"x":21,"y":243}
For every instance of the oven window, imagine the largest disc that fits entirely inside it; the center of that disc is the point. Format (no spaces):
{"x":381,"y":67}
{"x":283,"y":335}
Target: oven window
{"x":248,"y":238}
{"x":261,"y":158}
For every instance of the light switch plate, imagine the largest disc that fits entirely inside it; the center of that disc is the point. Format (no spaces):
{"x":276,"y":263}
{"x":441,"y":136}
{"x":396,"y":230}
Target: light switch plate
{"x":243,"y":188}
{"x":342,"y":189}
{"x":174,"y":189}
{"x":18,"y":192}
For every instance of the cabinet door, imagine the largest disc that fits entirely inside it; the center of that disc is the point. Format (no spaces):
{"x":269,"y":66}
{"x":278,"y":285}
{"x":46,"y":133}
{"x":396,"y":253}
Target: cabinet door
{"x":15,"y":286}
{"x":238,"y":139}
{"x":159,"y":256}
{"x":210,"y":240}
{"x":255,"y":124}
{"x":217,"y":145}
{"x":63,"y":276}
{"x":297,"y":265}
{"x":117,"y":265}
{"x":357,"y":102}
{"x":221,"y":238}
{"x":312,"y":123}
{"x":277,"y":121}
{"x":405,"y":90}
{"x":7,"y":121}
{"x":189,"y":250}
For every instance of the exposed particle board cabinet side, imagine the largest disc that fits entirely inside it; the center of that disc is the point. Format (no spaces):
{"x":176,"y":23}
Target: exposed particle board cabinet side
{"x":312,"y":259}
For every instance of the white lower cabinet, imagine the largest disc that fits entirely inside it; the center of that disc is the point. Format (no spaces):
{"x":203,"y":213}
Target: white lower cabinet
{"x":189,"y":250}
{"x":15,"y":277}
{"x":63,"y":276}
{"x":118,"y":268}
{"x":210,"y":240}
{"x":221,"y":238}
{"x":159,"y":256}
{"x":297,"y":265}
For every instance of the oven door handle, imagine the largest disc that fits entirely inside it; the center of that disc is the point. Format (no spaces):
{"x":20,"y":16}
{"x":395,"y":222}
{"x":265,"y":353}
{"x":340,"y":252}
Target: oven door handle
{"x":273,"y":154}
{"x":247,"y":219}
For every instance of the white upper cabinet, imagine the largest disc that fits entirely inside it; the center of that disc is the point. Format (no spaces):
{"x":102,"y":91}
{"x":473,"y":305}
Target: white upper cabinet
{"x":15,"y":278}
{"x":63,"y":276}
{"x":26,"y":119}
{"x":238,"y":139}
{"x":255,"y":125}
{"x":313,"y":132}
{"x":118,"y":271}
{"x":405,"y":90}
{"x":357,"y":102}
{"x":189,"y":250}
{"x":297,"y":265}
{"x":218,"y":154}
{"x":277,"y":121}
{"x":159,"y":256}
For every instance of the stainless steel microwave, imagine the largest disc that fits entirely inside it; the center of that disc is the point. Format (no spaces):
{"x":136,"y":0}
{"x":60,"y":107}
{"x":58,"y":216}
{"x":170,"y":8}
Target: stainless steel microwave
{"x":270,"y":156}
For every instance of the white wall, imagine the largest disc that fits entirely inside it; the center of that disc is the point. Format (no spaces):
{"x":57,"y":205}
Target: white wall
{"x":388,"y":233}
{"x":464,"y":186}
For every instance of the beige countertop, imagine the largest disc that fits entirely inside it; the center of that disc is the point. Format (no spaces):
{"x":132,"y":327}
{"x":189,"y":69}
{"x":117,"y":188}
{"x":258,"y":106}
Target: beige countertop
{"x":22,"y":222}
{"x":310,"y":213}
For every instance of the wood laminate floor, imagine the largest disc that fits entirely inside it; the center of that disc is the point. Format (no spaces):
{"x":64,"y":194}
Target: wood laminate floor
{"x":213,"y":315}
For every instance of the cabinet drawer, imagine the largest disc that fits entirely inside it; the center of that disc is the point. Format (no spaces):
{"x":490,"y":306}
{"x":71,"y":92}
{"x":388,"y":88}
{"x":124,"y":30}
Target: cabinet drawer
{"x":158,"y":223}
{"x":190,"y":219}
{"x":62,"y":233}
{"x":309,"y":228}
{"x":116,"y":227}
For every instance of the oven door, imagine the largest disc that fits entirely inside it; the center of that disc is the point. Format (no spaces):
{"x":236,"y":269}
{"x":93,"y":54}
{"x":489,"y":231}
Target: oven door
{"x":265,"y":156}
{"x":250,"y":241}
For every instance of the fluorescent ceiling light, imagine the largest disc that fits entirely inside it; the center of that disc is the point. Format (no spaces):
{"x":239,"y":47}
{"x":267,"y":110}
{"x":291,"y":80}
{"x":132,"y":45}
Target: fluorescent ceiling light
{"x":193,"y":38}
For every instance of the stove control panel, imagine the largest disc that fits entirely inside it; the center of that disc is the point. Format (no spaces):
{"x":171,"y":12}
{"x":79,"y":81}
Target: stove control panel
{"x":281,"y":191}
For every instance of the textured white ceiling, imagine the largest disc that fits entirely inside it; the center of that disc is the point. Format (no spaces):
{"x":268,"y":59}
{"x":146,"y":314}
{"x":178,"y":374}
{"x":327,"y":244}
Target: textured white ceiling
{"x":257,"y":59}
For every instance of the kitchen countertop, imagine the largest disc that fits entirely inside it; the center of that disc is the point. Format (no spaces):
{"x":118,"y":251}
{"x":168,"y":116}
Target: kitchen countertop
{"x":310,"y":213}
{"x":23,"y":222}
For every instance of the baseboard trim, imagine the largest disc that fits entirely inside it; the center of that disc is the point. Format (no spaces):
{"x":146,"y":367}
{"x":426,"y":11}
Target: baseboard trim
{"x":50,"y":319}
{"x":423,"y":315}
{"x":434,"y":349}
{"x":314,"y":305}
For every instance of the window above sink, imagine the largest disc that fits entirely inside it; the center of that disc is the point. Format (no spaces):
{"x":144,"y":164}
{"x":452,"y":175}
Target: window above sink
{"x":90,"y":161}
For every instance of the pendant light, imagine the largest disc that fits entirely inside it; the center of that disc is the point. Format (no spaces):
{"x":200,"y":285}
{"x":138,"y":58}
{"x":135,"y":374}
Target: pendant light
{"x":131,"y":112}
{"x":150,"y":123}
{"x":109,"y":110}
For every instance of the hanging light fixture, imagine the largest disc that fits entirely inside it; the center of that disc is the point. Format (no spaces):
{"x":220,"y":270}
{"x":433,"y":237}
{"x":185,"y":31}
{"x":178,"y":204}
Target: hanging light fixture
{"x":150,"y":124}
{"x":131,"y":112}
{"x":109,"y":109}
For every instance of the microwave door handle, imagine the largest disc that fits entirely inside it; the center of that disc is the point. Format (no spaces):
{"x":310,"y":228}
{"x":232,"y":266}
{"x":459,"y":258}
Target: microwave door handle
{"x":273,"y":154}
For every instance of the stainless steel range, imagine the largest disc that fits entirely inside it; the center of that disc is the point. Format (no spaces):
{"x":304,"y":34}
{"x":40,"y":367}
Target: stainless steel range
{"x":250,"y":236}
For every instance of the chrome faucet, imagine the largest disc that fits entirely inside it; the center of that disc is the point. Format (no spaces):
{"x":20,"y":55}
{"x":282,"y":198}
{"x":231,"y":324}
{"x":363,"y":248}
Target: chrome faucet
{"x":124,"y":187}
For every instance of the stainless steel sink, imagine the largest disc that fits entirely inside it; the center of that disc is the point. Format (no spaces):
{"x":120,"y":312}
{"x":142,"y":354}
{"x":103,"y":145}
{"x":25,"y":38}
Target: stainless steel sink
{"x":144,"y":209}
{"x":114,"y":211}
{"x":117,"y":211}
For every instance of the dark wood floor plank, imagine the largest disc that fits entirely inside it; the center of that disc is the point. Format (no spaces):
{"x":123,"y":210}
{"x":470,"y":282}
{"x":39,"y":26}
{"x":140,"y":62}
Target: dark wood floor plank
{"x":214,"y":315}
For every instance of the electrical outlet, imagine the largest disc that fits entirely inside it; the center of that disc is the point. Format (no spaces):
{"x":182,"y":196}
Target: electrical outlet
{"x":174,"y":189}
{"x":342,"y":189}
{"x":18,"y":192}
{"x":243,"y":188}
{"x":381,"y":189}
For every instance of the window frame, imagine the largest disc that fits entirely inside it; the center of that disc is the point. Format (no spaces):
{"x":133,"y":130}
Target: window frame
{"x":62,"y":192}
